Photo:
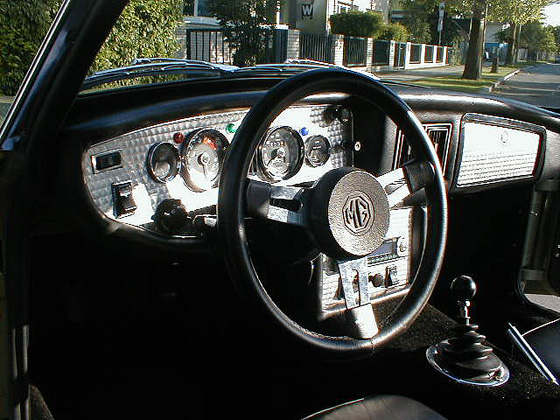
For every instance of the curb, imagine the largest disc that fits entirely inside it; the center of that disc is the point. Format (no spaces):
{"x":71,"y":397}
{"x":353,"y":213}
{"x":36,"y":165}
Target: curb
{"x":500,"y":81}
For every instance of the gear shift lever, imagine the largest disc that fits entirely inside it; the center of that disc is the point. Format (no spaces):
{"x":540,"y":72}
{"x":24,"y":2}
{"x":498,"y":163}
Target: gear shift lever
{"x":464,"y":357}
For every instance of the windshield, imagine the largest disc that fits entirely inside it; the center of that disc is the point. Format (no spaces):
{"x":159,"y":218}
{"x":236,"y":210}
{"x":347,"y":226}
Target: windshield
{"x":423,"y":43}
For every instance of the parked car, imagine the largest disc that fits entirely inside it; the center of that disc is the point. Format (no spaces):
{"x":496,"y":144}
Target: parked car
{"x":271,"y":242}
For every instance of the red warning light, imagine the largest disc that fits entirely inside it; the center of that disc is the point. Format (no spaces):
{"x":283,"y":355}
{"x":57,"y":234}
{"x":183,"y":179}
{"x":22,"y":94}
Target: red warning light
{"x":178,"y":137}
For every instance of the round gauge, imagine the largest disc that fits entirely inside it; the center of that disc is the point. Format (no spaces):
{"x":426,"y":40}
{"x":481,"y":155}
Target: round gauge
{"x":280,"y":155}
{"x":163,"y":162}
{"x":317,"y":150}
{"x":203,"y":156}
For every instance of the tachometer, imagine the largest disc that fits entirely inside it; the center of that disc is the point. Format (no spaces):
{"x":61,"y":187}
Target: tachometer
{"x":280,"y":155}
{"x":203,"y":156}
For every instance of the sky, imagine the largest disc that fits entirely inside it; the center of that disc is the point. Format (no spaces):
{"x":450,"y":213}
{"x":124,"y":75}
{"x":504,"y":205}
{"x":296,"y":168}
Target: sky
{"x":552,"y":14}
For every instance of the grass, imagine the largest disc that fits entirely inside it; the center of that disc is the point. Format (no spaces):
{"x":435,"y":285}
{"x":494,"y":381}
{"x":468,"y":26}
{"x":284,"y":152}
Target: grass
{"x":464,"y":85}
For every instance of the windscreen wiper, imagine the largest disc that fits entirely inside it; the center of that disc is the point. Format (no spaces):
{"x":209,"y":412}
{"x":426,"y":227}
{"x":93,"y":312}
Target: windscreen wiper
{"x":144,"y":67}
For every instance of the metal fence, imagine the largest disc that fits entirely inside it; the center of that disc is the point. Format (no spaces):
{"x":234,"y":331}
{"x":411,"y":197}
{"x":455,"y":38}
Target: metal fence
{"x":439,"y":54}
{"x":208,"y":45}
{"x":211,"y":45}
{"x":415,"y":53}
{"x":400,"y":54}
{"x":429,"y":53}
{"x":279,"y":44}
{"x":355,"y":51}
{"x":316,"y":47}
{"x":381,"y":53}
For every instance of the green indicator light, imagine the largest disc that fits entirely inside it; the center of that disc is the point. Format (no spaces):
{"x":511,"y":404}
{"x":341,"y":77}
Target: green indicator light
{"x":230,"y":128}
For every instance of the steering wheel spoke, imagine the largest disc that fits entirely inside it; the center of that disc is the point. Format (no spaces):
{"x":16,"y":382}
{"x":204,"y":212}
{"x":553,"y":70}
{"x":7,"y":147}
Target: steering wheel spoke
{"x":358,"y":304}
{"x":401,"y":183}
{"x":284,"y":204}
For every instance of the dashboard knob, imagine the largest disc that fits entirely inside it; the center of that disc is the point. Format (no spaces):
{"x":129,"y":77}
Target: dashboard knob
{"x":171,"y":216}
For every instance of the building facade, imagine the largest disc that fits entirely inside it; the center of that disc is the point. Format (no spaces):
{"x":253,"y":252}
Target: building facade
{"x":312,"y":16}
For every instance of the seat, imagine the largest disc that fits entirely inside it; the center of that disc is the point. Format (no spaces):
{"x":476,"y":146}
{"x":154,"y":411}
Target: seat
{"x":545,"y":341}
{"x":382,"y":407}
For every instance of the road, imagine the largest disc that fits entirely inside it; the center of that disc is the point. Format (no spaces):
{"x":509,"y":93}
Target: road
{"x":537,"y":85}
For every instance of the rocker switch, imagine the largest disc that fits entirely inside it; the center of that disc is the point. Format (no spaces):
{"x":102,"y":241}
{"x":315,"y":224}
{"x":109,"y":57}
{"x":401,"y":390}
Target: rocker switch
{"x":123,"y":200}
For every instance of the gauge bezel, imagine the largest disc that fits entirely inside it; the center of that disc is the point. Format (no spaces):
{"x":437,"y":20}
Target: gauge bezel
{"x":175,"y":169}
{"x":307,"y":150}
{"x":262,"y":168}
{"x":190,"y":138}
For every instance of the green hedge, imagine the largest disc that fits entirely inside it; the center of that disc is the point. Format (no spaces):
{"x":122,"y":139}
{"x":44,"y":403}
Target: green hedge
{"x":145,"y":29}
{"x":354,"y":23}
{"x":23,"y":24}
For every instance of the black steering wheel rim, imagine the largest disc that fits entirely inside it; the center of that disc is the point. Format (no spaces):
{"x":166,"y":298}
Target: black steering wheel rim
{"x":231,"y":204}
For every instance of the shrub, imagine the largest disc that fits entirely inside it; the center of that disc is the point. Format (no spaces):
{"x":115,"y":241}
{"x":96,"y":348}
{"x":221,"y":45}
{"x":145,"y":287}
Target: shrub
{"x":23,"y":24}
{"x":395,"y":31}
{"x":354,"y":23}
{"x":146,"y":28}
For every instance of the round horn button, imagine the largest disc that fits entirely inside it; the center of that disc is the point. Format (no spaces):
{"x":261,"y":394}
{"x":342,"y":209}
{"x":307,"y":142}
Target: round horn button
{"x":350,"y":213}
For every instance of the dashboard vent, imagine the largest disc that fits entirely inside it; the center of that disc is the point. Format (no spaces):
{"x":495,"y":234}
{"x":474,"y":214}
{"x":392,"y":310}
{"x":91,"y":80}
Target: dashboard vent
{"x":439,"y":133}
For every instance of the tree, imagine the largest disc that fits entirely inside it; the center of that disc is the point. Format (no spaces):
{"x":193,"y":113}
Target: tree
{"x":517,"y":12}
{"x":246,"y":25}
{"x":421,"y":19}
{"x":473,"y":62}
{"x":356,"y":23}
{"x":416,"y":19}
{"x":23,"y":24}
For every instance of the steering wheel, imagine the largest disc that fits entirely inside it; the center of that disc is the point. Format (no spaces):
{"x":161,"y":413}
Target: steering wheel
{"x":346,"y":211}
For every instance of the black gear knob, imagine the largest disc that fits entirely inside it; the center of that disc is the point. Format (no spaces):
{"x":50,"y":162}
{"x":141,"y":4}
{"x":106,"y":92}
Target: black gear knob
{"x":463,"y":288}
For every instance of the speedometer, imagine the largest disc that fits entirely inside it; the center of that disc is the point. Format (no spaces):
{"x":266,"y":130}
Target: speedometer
{"x":202,"y":158}
{"x":280,"y":155}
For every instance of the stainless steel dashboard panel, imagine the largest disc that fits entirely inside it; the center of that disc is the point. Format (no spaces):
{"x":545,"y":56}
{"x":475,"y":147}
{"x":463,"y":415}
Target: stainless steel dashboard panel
{"x":148,"y":194}
{"x":497,"y":149}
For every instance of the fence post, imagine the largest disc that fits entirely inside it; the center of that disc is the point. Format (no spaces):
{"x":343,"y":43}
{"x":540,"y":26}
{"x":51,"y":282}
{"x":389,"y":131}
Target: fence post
{"x":422,"y":53}
{"x":445,"y":55}
{"x":181,"y":35}
{"x":369,"y":54}
{"x":407,"y":55}
{"x":338,"y":49}
{"x":292,"y":50}
{"x":392,"y":50}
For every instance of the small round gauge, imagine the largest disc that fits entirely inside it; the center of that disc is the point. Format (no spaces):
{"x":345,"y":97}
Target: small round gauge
{"x":163,"y":162}
{"x":317,"y":150}
{"x":280,"y":155}
{"x":202,"y":157}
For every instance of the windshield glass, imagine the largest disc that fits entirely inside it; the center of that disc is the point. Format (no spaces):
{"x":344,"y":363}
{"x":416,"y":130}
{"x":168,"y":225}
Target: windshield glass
{"x":439,"y":45}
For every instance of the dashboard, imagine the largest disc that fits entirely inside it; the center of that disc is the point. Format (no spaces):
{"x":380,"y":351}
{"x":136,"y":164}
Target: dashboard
{"x":163,"y":178}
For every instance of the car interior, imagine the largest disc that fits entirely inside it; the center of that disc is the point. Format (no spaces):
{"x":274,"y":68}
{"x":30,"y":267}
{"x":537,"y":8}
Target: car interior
{"x":271,"y":246}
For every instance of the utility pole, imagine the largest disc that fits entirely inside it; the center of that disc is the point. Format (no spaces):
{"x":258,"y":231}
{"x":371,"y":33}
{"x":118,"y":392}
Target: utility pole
{"x":441,"y":13}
